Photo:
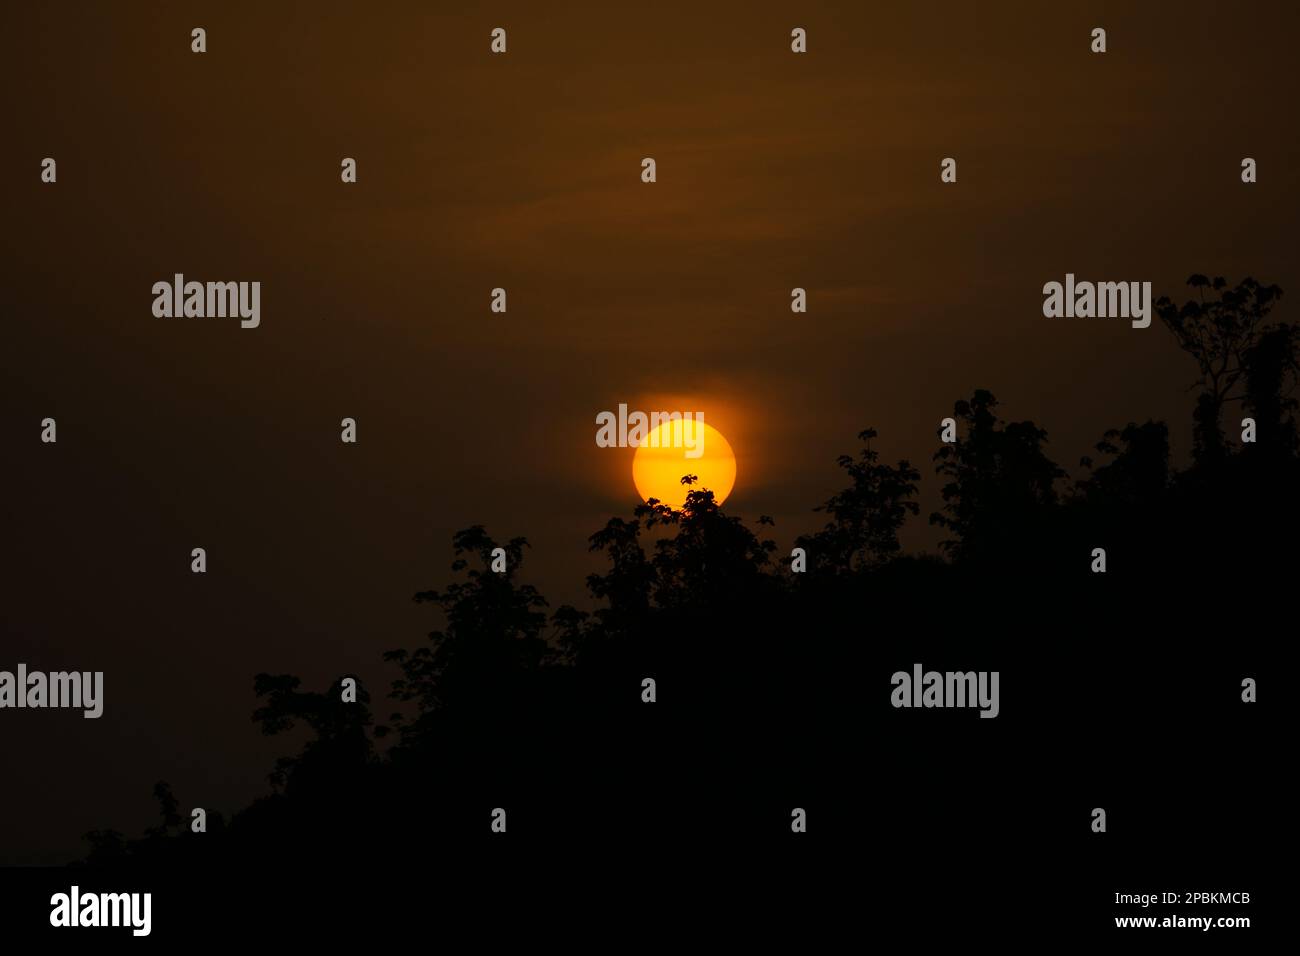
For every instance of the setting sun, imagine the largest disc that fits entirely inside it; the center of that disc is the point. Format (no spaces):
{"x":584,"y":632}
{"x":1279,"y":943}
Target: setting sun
{"x":657,"y":471}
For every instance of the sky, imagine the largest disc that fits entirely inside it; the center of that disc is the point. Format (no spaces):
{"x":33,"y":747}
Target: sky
{"x":522,"y":171}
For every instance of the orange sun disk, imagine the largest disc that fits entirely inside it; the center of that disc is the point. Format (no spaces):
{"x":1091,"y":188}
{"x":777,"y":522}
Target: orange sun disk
{"x":657,"y":471}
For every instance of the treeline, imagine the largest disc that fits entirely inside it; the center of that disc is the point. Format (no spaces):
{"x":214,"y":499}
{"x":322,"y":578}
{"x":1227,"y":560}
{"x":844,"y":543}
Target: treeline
{"x":755,"y":658}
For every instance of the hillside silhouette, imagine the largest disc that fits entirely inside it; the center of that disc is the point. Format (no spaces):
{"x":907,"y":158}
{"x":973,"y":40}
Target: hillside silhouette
{"x":772,"y":686}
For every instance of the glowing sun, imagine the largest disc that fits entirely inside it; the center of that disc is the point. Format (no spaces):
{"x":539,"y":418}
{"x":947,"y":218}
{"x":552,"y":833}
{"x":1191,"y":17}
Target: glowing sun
{"x":661,"y":461}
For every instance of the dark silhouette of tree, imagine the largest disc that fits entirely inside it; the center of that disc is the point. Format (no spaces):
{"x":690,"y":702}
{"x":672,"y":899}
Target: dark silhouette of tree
{"x":340,"y":738}
{"x":711,"y":557}
{"x":999,"y":484}
{"x":867,"y":516}
{"x":166,"y":842}
{"x":167,"y":808}
{"x":1219,"y":331}
{"x":492,"y":637}
{"x":1272,"y":367}
{"x":626,"y":588}
{"x":1138,"y":474}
